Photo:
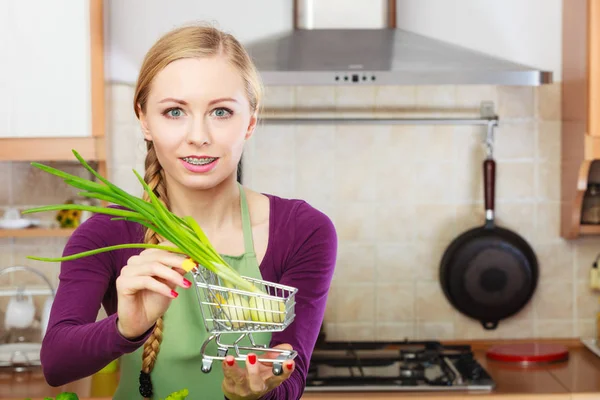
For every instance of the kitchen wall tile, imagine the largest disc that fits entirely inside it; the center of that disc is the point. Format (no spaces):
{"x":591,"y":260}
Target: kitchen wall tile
{"x":586,"y":328}
{"x":316,"y":101}
{"x":587,"y":301}
{"x":554,"y":300}
{"x":518,"y":217}
{"x":395,"y":262}
{"x":548,"y":181}
{"x":356,"y":331}
{"x":274,"y":179}
{"x":394,"y":302}
{"x":279,"y":97}
{"x":515,"y":102}
{"x":556,"y":261}
{"x":431,"y":304}
{"x":354,"y":303}
{"x":395,"y":99}
{"x":437,"y":100}
{"x":31,"y":185}
{"x":515,"y":181}
{"x":120,"y":108}
{"x":515,"y":140}
{"x":356,"y":221}
{"x":435,"y":331}
{"x":391,"y":222}
{"x":554,"y":329}
{"x":547,"y":222}
{"x":315,"y":151}
{"x":395,"y":332}
{"x":356,"y":175}
{"x":355,"y":263}
{"x":549,"y":141}
{"x":586,"y":249}
{"x":6,"y":260}
{"x":436,"y":222}
{"x":516,"y":329}
{"x":471,"y":96}
{"x":548,"y":102}
{"x":6,"y":182}
{"x":274,"y":145}
{"x":355,"y":98}
{"x":127,"y":146}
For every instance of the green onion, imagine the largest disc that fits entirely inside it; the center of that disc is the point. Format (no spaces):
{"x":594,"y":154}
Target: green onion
{"x":185,"y":233}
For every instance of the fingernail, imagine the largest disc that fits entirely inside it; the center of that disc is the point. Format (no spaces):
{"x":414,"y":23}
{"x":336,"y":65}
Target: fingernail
{"x":186,"y":283}
{"x":289,"y":365}
{"x":252,"y":359}
{"x":229,"y":360}
{"x":174,"y":294}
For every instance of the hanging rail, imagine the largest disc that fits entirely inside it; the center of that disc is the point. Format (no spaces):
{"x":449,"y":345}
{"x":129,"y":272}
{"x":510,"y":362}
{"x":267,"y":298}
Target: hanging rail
{"x":488,"y":118}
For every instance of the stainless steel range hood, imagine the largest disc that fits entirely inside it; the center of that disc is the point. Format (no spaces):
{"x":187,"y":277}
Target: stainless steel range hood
{"x":385,"y":56}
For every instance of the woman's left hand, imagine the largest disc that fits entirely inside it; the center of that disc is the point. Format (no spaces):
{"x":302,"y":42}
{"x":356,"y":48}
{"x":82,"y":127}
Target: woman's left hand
{"x":256,"y":379}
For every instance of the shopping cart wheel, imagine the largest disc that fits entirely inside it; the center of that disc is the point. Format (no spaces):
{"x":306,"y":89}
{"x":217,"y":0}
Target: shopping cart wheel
{"x":277,"y":369}
{"x":206,"y":366}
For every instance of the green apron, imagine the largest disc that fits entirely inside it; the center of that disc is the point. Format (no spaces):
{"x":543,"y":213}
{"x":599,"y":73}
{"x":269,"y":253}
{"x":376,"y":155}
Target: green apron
{"x":179,"y":360}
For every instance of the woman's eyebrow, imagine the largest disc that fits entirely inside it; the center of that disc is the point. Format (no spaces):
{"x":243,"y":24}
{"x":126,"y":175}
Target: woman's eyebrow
{"x":183,"y":102}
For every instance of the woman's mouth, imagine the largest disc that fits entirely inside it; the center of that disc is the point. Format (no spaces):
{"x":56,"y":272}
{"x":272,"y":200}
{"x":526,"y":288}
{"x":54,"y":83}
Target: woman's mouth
{"x":199,"y":164}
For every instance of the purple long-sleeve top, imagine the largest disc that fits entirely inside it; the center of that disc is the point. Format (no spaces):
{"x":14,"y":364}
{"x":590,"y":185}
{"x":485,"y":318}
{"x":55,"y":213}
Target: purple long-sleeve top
{"x":301,"y":253}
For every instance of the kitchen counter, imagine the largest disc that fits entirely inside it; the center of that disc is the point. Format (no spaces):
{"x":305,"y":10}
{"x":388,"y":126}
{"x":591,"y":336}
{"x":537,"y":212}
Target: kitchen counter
{"x":576,"y":379}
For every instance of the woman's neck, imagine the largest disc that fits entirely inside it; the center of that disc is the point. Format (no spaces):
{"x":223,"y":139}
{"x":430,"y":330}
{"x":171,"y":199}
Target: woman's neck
{"x":212,"y":209}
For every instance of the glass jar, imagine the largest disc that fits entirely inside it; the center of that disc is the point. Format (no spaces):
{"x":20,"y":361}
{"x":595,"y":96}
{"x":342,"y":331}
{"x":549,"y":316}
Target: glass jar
{"x":590,"y":209}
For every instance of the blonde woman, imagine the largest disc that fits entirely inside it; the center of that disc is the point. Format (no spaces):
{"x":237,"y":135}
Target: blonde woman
{"x":197,"y":100}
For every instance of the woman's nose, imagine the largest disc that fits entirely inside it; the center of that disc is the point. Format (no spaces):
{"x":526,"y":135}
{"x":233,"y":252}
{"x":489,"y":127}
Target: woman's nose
{"x":198,"y":133}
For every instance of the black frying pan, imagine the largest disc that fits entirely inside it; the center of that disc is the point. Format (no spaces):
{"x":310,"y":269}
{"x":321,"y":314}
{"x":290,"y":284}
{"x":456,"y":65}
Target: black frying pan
{"x":489,"y":273}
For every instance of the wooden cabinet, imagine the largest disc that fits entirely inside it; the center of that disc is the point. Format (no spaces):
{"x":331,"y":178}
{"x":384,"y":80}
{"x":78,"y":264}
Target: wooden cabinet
{"x":580,"y":112}
{"x":51,"y":80}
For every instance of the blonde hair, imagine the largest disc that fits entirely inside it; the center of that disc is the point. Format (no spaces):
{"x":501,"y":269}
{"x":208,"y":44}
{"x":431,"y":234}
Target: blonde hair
{"x":185,"y":42}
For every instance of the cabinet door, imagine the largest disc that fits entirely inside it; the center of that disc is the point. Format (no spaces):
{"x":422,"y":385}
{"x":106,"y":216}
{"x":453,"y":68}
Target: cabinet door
{"x":5,"y":71}
{"x":51,"y":63}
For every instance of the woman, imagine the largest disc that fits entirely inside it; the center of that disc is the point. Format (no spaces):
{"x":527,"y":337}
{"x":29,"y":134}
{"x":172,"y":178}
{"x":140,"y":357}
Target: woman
{"x":197,"y":100}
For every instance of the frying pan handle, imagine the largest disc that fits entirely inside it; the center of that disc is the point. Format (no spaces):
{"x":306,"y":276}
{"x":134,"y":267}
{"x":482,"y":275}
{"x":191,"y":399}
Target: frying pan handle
{"x":489,"y":181}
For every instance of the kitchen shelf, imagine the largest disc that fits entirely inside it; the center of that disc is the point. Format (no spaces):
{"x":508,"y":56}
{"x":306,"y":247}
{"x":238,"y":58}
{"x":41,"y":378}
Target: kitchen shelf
{"x":580,"y":101}
{"x":52,"y":149}
{"x":36,"y":232}
{"x":589,"y":229}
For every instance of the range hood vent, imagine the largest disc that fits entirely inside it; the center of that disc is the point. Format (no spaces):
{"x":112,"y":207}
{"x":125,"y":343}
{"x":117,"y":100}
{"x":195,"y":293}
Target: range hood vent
{"x":380,"y":56}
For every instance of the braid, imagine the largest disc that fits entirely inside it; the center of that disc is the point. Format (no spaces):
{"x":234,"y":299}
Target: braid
{"x":154,"y":178}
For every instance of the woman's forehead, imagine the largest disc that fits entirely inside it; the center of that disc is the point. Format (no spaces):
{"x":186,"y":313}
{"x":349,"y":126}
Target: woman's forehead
{"x":199,"y":80}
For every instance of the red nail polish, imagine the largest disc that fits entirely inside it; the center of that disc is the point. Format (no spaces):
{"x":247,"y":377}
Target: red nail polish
{"x":186,"y":283}
{"x":289,"y":365}
{"x":230,"y":361}
{"x":252,"y":359}
{"x":174,"y":294}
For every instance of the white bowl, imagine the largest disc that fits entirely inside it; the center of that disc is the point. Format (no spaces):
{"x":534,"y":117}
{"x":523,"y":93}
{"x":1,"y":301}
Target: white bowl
{"x":15,"y":223}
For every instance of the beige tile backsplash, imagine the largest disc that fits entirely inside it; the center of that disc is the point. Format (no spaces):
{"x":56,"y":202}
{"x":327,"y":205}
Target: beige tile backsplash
{"x":397,"y":194}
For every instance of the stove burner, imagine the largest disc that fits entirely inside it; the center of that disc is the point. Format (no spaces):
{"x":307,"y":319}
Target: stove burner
{"x":408,"y":366}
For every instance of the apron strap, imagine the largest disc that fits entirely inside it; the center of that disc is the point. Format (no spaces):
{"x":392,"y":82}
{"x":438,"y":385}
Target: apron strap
{"x":246,"y":223}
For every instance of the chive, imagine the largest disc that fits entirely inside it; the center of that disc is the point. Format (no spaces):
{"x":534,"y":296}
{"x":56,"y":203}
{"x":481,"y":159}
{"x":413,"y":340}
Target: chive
{"x":183,"y":232}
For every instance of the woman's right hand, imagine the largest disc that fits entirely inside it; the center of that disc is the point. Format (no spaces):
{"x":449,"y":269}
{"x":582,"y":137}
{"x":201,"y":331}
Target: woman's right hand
{"x":145,"y":289}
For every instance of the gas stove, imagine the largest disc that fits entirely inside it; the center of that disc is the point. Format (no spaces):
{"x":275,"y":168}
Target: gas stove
{"x":395,"y":366}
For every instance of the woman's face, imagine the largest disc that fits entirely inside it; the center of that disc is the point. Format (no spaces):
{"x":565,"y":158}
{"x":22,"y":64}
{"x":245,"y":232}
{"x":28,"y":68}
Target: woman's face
{"x":198,"y":117}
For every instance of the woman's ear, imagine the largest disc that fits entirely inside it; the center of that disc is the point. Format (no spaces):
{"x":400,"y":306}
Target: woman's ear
{"x":144,"y":123}
{"x":251,"y":125}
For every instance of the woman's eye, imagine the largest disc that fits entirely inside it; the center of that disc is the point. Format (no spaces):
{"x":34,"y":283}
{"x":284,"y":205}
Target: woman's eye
{"x":222,"y":113}
{"x":174,"y":113}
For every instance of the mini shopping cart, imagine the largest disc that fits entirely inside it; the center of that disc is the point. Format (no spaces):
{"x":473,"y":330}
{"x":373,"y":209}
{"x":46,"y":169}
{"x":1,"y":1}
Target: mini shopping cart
{"x":228,"y":310}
